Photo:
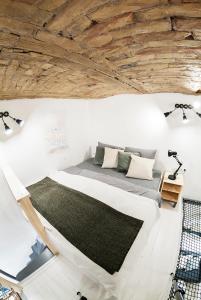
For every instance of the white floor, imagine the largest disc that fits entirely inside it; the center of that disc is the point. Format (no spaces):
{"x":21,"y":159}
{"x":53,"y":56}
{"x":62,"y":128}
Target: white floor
{"x":59,"y":279}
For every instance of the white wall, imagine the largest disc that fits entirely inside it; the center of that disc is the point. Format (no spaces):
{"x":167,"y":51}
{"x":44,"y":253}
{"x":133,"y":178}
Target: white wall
{"x":31,"y":150}
{"x":133,"y":120}
{"x":127,"y":120}
{"x":138,"y":120}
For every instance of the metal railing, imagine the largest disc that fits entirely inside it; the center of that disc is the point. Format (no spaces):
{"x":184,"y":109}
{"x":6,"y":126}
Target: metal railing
{"x":177,"y":291}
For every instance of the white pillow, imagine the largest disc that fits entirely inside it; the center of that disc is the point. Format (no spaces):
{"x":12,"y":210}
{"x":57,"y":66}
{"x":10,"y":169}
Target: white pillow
{"x":141,"y":167}
{"x":110,"y":160}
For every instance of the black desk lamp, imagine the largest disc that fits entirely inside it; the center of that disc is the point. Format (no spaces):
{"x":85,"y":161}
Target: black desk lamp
{"x":174,"y":154}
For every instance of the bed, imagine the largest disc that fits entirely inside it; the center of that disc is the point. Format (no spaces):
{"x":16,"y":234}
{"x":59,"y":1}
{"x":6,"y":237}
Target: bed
{"x":146,"y":188}
{"x":122,"y":282}
{"x":138,"y":270}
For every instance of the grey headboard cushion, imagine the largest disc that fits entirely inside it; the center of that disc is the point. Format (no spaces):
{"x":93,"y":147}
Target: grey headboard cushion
{"x":109,"y":146}
{"x":100,"y":152}
{"x":124,"y":159}
{"x":99,"y":155}
{"x":147,"y":153}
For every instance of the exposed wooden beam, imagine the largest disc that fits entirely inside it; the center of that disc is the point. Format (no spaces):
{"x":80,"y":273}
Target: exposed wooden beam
{"x":50,"y":5}
{"x":73,"y":9}
{"x":93,"y":49}
{"x":23,"y":12}
{"x":170,"y":10}
{"x":123,"y":6}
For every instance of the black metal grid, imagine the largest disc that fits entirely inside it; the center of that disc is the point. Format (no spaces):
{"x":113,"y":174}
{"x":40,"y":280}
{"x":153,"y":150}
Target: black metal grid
{"x":188,"y":271}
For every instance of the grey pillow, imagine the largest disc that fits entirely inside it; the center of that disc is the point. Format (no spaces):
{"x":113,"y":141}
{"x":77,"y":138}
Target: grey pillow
{"x":124,"y":160}
{"x":109,"y":146}
{"x":99,"y":156}
{"x":147,"y":153}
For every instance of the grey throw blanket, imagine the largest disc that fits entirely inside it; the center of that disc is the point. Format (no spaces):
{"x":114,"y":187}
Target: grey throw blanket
{"x":102,"y":233}
{"x":117,"y":182}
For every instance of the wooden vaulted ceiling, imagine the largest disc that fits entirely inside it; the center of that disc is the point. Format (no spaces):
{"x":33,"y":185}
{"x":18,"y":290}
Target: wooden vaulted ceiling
{"x":98,"y":48}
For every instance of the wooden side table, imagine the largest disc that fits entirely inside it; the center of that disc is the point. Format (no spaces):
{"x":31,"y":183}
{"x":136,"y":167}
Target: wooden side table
{"x":171,"y":189}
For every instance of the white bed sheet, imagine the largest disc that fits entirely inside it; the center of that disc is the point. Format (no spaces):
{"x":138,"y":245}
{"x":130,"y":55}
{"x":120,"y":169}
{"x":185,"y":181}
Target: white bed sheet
{"x":136,"y":206}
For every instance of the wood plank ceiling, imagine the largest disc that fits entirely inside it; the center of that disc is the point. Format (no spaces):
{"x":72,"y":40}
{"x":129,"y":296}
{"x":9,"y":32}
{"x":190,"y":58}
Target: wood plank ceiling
{"x":98,"y":48}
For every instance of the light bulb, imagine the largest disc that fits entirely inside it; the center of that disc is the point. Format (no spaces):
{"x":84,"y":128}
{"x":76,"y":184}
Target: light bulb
{"x":185,"y":121}
{"x":21,"y":123}
{"x":8,"y":131}
{"x":196,"y":104}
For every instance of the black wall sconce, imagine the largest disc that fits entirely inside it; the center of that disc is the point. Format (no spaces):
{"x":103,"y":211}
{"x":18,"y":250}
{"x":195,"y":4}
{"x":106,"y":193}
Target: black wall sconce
{"x":184,"y":108}
{"x":6,"y":114}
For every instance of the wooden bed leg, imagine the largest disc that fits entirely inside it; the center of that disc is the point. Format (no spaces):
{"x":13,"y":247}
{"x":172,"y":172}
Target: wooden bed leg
{"x":29,"y":210}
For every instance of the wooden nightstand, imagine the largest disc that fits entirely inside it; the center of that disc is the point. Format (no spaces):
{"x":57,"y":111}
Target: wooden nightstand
{"x":171,"y":189}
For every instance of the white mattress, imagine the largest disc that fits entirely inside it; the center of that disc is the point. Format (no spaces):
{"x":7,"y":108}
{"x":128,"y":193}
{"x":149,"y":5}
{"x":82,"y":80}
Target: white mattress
{"x":139,"y":207}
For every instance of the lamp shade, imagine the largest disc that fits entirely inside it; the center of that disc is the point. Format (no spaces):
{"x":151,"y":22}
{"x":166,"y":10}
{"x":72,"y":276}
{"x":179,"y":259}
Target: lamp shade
{"x":19,"y":122}
{"x":172,"y":153}
{"x":166,"y":114}
{"x":185,"y":120}
{"x":8,"y":130}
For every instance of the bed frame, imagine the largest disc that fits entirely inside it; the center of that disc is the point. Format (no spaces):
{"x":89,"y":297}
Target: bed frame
{"x":22,"y":197}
